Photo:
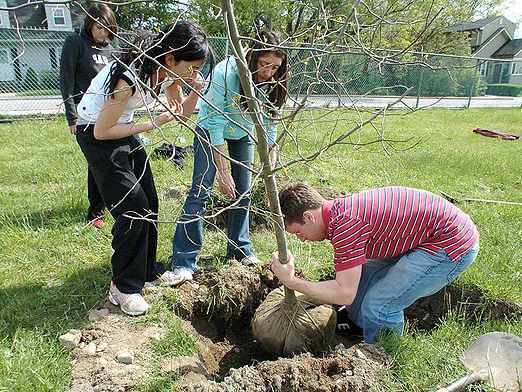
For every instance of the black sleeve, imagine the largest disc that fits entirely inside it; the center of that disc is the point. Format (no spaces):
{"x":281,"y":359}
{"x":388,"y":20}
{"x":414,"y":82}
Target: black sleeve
{"x":70,"y":53}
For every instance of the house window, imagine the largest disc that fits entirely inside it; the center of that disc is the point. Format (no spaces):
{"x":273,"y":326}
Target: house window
{"x":516,"y":68}
{"x":59,"y":16}
{"x":4,"y":57}
{"x":483,"y":68}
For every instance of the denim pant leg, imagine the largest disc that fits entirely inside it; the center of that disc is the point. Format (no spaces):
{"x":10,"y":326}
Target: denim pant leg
{"x":372,"y":271}
{"x":188,"y":237}
{"x":239,"y":244}
{"x":415,"y":275}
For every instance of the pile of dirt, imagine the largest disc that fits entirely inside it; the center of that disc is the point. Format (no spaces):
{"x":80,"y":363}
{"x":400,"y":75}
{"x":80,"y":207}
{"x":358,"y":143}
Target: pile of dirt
{"x":357,"y":368}
{"x":226,"y":296}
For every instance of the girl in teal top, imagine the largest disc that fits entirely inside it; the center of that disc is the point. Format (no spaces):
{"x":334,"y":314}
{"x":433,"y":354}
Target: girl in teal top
{"x":223,"y":117}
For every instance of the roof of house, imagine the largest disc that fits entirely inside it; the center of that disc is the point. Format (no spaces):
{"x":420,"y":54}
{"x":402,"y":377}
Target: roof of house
{"x":472,"y":25}
{"x":490,"y":38}
{"x":509,"y":49}
{"x":34,"y":15}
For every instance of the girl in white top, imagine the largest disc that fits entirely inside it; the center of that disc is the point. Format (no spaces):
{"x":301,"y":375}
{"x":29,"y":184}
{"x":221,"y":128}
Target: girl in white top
{"x":106,"y":134}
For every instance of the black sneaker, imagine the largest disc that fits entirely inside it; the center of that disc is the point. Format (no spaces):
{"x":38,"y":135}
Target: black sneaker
{"x":345,"y":325}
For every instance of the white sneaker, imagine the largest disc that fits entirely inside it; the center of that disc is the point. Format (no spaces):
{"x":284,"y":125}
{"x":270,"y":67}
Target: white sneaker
{"x":172,"y":278}
{"x":250,"y":260}
{"x":131,"y":304}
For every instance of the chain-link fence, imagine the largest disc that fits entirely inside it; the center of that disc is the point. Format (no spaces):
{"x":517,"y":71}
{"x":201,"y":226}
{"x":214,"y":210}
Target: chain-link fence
{"x":29,"y":75}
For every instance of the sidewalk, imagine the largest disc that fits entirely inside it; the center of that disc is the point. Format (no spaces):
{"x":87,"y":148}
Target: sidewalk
{"x":52,"y":105}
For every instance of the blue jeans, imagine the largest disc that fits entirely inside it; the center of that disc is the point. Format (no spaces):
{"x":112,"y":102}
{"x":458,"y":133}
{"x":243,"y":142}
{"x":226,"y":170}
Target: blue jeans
{"x":389,"y":286}
{"x":188,"y":238}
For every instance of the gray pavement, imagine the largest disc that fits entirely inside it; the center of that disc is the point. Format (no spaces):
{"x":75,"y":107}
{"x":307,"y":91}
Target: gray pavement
{"x":13,"y":105}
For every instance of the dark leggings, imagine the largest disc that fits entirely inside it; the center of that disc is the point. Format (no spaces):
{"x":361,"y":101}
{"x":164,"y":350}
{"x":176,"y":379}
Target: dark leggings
{"x":96,"y":204}
{"x":124,"y":178}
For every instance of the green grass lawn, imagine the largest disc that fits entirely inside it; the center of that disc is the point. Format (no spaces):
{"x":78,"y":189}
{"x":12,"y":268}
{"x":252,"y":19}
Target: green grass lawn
{"x":53,"y":269}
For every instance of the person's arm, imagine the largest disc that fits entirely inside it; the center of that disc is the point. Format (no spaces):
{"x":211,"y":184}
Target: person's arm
{"x":339,"y":291}
{"x":225,"y":181}
{"x":107,"y":128}
{"x":68,"y":60}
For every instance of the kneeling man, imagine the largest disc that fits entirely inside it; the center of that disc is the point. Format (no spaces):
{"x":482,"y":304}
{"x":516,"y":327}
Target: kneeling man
{"x":391,"y":246}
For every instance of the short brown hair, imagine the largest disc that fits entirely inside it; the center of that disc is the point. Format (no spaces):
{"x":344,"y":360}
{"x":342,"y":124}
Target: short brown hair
{"x":104,"y":15}
{"x":296,"y":198}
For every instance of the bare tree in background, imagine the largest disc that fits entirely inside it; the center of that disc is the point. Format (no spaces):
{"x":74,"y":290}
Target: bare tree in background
{"x":333,"y":48}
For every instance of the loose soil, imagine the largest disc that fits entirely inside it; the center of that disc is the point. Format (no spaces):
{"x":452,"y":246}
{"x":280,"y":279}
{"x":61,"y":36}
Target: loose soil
{"x":217,"y":308}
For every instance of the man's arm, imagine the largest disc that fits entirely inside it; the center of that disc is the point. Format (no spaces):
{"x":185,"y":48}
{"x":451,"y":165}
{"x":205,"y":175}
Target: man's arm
{"x":339,"y":291}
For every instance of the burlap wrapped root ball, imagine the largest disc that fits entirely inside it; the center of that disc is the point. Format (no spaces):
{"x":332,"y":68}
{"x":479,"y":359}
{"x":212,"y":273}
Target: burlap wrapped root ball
{"x":284,"y":329}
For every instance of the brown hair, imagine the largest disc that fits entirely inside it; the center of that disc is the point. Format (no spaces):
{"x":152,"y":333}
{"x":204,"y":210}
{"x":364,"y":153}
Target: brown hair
{"x":102,"y":14}
{"x":265,"y":42}
{"x":296,"y":198}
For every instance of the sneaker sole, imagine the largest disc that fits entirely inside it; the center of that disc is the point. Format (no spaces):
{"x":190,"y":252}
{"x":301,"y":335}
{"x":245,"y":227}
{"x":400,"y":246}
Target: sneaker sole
{"x":167,"y":284}
{"x":114,"y":302}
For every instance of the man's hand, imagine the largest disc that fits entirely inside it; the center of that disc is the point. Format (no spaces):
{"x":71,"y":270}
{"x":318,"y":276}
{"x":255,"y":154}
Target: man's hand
{"x":72,"y":129}
{"x":284,"y":272}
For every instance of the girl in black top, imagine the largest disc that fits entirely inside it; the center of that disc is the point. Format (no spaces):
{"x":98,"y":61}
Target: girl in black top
{"x":84,"y":54}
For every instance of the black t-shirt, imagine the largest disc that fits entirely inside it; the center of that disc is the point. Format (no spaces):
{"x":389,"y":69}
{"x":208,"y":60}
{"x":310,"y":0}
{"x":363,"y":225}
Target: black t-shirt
{"x":82,"y":58}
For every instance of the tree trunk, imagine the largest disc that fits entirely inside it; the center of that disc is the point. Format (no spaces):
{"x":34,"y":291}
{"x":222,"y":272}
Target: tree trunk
{"x":262,"y":146}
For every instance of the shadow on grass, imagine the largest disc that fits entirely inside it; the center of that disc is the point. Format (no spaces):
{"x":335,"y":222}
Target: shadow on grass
{"x":54,"y":308}
{"x":50,"y":218}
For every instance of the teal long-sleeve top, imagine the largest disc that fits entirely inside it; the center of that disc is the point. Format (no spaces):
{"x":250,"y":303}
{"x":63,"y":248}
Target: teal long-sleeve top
{"x":224,"y":94}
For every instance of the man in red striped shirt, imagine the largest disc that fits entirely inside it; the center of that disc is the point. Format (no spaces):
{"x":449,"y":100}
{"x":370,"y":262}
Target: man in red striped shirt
{"x":391,"y":246}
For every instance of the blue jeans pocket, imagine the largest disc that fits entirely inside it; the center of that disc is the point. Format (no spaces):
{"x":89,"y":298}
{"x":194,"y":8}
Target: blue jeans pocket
{"x":461,"y":264}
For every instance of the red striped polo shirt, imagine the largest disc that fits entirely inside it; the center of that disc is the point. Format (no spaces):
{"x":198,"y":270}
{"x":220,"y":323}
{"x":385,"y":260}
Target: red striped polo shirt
{"x":388,"y":222}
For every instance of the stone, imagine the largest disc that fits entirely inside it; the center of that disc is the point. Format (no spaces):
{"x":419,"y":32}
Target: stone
{"x":125,"y":356}
{"x":181,"y":365}
{"x":360,"y":354}
{"x":193,"y":378}
{"x":90,"y":349}
{"x":340,"y":349}
{"x":71,"y":339}
{"x":94,"y":315}
{"x":102,"y":346}
{"x":103,"y":312}
{"x":102,"y":362}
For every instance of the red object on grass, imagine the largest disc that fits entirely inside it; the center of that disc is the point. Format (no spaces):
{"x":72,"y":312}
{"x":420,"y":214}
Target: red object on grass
{"x":98,"y":223}
{"x":491,"y":133}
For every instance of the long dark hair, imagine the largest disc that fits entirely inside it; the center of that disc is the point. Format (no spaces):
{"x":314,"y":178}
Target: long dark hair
{"x":265,"y":42}
{"x":184,"y":39}
{"x":102,"y":14}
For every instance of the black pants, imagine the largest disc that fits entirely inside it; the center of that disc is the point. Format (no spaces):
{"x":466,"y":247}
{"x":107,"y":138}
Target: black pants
{"x":96,"y":204}
{"x":124,"y":178}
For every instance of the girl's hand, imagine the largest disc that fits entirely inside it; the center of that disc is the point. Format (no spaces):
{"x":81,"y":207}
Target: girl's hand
{"x":198,"y":82}
{"x":167,"y":116}
{"x":72,"y":129}
{"x":226,"y":183}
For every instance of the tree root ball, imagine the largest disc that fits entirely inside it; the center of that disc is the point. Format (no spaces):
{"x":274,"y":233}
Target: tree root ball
{"x":284,"y":329}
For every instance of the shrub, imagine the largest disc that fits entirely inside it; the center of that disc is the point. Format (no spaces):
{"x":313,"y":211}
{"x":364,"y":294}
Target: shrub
{"x":31,"y":79}
{"x":50,"y":79}
{"x":508,"y":90}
